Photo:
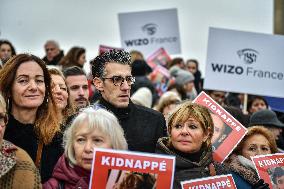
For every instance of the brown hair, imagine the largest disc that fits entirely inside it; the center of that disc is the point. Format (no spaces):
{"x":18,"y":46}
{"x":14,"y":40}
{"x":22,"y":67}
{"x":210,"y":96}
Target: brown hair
{"x":46,"y":123}
{"x":69,"y":109}
{"x":72,"y":57}
{"x":258,"y":130}
{"x":137,"y":180}
{"x":188,"y":109}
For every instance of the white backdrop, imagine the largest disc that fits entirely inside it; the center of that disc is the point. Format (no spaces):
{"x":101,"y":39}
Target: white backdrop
{"x":89,"y":23}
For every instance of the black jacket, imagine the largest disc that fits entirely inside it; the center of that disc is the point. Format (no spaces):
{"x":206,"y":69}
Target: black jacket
{"x":142,"y":126}
{"x":186,"y":169}
{"x":23,"y":135}
{"x":55,"y":60}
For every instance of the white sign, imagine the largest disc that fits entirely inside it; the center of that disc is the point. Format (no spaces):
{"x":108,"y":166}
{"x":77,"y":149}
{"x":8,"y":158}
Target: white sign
{"x":148,"y":31}
{"x":245,"y":62}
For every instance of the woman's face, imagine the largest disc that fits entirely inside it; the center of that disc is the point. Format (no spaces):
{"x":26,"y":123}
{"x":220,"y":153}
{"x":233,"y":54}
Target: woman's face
{"x":82,"y":59}
{"x":5,"y":51}
{"x":28,"y":88}
{"x":219,"y":128}
{"x":191,"y":67}
{"x":189,"y":136}
{"x":257,"y":104}
{"x":59,"y":91}
{"x":85,"y":141}
{"x":3,"y":121}
{"x":255,"y":145}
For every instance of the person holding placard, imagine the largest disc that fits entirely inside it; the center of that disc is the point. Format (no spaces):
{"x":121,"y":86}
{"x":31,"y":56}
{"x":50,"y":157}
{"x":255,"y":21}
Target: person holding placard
{"x":92,"y":128}
{"x":257,"y":141}
{"x":190,"y":129}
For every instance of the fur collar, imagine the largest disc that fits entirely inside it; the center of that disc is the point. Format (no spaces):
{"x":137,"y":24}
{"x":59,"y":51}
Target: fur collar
{"x":243,"y":167}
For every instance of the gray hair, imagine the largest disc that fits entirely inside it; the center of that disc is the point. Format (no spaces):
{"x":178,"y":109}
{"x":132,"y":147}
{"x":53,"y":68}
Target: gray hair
{"x":100,"y":119}
{"x":118,"y":56}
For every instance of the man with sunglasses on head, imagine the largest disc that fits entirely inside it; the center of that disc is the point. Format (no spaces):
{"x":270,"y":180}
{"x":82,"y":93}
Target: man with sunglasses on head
{"x":112,"y":78}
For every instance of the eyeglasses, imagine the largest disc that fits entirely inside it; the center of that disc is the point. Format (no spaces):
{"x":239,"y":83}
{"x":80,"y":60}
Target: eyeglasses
{"x":119,"y":80}
{"x":3,"y":119}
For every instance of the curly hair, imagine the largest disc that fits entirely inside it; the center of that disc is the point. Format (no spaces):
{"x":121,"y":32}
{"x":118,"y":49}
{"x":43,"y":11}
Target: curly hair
{"x":118,"y":56}
{"x":135,"y":180}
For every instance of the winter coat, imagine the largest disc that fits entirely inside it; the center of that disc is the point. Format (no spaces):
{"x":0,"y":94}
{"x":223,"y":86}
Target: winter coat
{"x":24,"y":136}
{"x":55,"y":60}
{"x":187,"y":170}
{"x":17,"y":170}
{"x":69,"y":177}
{"x":142,"y":126}
{"x":242,"y":170}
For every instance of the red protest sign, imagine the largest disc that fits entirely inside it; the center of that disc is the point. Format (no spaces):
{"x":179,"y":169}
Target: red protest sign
{"x":220,"y":182}
{"x":104,"y":48}
{"x":159,"y":57}
{"x":271,"y":169}
{"x":113,"y":168}
{"x":229,"y":131}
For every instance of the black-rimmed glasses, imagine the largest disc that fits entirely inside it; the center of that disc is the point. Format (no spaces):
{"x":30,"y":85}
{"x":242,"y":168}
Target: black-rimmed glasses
{"x":119,"y":80}
{"x":3,"y":119}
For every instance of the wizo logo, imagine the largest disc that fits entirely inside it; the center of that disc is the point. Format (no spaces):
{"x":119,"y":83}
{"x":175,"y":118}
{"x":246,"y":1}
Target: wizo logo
{"x":150,"y":28}
{"x":249,"y":56}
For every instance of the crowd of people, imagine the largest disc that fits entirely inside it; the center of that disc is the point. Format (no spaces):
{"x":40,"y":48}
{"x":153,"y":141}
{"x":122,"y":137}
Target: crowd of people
{"x":53,"y":115}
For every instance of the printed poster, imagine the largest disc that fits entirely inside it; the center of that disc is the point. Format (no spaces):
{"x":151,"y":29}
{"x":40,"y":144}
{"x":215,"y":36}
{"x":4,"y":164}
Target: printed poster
{"x":216,"y":182}
{"x":114,"y":169}
{"x":147,"y":31}
{"x":159,"y":57}
{"x":271,"y":169}
{"x":228,"y":131}
{"x":245,"y":62}
{"x":104,"y":48}
{"x":161,"y":79}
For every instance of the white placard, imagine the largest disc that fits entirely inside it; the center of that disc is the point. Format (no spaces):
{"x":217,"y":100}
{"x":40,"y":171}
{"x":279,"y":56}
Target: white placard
{"x":245,"y":62}
{"x":147,"y":31}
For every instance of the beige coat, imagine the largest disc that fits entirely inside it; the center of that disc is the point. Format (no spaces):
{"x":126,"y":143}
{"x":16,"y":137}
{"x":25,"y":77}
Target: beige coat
{"x":17,"y":170}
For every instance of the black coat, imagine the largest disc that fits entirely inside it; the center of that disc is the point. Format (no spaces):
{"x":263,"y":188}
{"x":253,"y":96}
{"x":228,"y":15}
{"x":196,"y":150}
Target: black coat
{"x":23,"y":135}
{"x":186,"y":169}
{"x":55,"y":60}
{"x":142,"y":126}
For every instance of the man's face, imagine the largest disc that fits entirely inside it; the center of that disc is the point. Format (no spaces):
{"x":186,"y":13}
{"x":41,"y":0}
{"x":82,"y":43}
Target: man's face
{"x":218,"y":96}
{"x":51,"y":51}
{"x":118,"y":95}
{"x":79,"y":93}
{"x":280,"y":182}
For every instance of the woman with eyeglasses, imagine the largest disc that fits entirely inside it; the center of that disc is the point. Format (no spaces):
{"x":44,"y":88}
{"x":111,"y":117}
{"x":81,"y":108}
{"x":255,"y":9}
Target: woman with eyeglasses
{"x":33,"y":116}
{"x":17,"y":169}
{"x":92,"y":128}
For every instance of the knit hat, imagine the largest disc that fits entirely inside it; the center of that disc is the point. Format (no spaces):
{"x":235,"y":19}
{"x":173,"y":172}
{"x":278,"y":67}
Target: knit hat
{"x":183,"y":77}
{"x":143,"y":96}
{"x":174,"y":70}
{"x":265,"y":118}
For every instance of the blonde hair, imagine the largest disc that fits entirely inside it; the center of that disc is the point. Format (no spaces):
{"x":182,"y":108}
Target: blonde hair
{"x":188,"y":109}
{"x":100,"y":119}
{"x":2,"y":102}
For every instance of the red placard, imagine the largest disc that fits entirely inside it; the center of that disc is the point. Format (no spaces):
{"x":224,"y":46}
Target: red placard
{"x":104,"y":48}
{"x":112,"y":168}
{"x":218,"y":182}
{"x":159,"y":57}
{"x":271,"y":169}
{"x":232,"y":130}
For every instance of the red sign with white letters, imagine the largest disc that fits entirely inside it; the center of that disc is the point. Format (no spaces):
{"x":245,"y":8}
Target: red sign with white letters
{"x":113,"y":168}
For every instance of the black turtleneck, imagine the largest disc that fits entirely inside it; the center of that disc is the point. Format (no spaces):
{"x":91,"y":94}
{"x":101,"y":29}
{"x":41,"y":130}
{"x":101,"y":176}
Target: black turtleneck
{"x":193,"y":157}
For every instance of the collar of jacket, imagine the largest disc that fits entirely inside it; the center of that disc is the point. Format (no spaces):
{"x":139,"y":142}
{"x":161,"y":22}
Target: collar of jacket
{"x":7,"y":157}
{"x":205,"y":159}
{"x":120,"y":113}
{"x":246,"y":172}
